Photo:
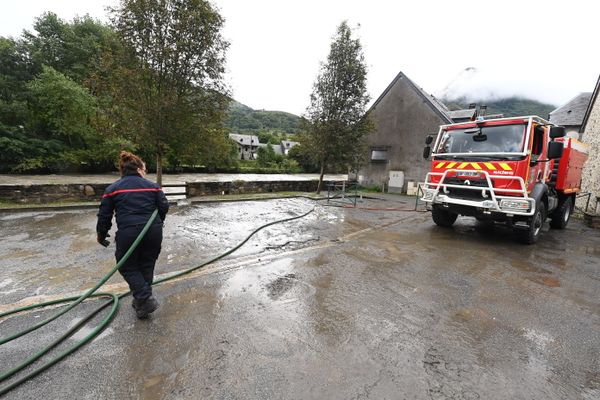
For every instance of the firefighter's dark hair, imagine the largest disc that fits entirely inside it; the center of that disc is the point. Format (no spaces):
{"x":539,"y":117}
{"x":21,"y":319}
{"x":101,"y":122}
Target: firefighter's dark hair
{"x":129,"y":163}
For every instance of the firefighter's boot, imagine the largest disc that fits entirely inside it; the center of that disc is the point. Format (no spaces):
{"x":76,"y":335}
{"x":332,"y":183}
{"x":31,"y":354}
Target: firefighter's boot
{"x":145,"y":307}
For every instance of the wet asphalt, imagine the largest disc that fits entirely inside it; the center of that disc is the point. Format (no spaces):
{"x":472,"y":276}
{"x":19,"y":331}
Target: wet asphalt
{"x":342,"y":304}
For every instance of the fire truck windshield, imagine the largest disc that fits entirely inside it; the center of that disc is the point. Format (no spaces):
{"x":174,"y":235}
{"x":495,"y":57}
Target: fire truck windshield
{"x":486,"y":139}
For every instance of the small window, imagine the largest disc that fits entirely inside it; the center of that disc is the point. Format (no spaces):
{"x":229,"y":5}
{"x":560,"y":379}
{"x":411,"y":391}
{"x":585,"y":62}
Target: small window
{"x":538,"y":141}
{"x":379,"y":155}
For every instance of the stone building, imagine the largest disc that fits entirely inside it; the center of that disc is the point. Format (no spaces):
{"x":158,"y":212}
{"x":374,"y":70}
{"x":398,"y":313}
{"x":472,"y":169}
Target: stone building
{"x":404,"y":115}
{"x":571,"y":114}
{"x":247,"y":145}
{"x":590,"y":129}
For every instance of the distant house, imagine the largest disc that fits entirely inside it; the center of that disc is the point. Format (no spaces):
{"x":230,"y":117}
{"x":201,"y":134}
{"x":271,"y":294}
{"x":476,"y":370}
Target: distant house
{"x":462,"y":115}
{"x":404,"y":115}
{"x":276,"y":147}
{"x":247,"y":145}
{"x":286,"y":146}
{"x":590,"y":128}
{"x":571,"y":114}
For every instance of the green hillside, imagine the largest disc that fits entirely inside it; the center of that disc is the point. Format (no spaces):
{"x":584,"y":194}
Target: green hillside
{"x":510,"y":106}
{"x":245,"y":120}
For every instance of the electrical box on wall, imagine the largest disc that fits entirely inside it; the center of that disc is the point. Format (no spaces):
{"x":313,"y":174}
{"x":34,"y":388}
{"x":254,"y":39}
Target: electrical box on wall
{"x":396,"y":182}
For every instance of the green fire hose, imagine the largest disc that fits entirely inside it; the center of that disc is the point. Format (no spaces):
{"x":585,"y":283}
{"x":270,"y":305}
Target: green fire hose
{"x":113,"y":300}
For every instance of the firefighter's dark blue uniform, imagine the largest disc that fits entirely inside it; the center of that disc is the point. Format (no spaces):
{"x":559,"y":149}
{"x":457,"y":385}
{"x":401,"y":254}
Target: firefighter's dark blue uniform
{"x":133,"y":199}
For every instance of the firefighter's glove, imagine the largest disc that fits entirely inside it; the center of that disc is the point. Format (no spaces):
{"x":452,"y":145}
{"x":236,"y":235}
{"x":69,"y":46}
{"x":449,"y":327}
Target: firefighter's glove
{"x":102,"y":240}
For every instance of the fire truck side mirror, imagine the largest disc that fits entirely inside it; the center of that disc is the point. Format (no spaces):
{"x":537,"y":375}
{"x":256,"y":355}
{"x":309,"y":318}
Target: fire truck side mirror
{"x":557,"y":131}
{"x":555,"y":150}
{"x":426,"y":152}
{"x":428,"y":140}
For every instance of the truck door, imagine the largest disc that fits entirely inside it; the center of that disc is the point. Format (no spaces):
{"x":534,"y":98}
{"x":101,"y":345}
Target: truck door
{"x":537,"y":164}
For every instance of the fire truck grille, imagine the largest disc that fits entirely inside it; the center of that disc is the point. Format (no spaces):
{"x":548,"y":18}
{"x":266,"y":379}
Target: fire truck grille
{"x":466,"y":194}
{"x":472,"y":182}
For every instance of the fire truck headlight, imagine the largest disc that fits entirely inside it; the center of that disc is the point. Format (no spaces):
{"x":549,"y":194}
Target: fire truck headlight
{"x":514,"y":205}
{"x":428,"y":195}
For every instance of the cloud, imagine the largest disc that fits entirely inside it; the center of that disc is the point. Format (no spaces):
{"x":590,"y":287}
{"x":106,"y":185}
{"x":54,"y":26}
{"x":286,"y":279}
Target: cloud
{"x":490,"y":83}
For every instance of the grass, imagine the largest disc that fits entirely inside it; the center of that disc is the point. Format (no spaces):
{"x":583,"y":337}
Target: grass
{"x":10,"y":205}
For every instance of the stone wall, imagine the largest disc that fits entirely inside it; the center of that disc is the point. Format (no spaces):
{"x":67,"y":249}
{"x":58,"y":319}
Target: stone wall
{"x":240,"y":187}
{"x":591,"y":170}
{"x":40,"y":194}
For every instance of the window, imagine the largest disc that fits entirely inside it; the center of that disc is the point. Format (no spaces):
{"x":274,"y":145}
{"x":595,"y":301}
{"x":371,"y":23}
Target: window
{"x":379,"y":155}
{"x":538,"y":142}
{"x":486,"y":139}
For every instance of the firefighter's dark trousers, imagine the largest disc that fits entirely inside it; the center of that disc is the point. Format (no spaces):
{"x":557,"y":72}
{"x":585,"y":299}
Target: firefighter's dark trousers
{"x":138,"y":270}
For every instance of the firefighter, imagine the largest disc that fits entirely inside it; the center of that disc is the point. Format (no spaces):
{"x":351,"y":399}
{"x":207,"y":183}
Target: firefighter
{"x":133,"y":199}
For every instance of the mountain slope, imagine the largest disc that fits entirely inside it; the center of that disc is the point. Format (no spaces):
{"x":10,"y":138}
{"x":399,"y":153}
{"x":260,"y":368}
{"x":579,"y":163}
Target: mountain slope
{"x":243,"y":119}
{"x":509,"y":106}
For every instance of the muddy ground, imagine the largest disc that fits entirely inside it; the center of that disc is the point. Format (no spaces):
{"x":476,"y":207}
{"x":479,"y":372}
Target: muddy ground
{"x":342,"y":304}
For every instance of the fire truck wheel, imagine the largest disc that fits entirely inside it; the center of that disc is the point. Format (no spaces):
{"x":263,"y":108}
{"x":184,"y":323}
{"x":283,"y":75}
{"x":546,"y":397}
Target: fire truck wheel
{"x":561,"y":216}
{"x":532,"y":233}
{"x":443,"y":217}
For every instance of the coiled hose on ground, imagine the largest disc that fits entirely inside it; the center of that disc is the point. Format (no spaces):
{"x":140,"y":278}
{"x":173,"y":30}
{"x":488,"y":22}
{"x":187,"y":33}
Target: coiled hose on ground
{"x":114,"y":301}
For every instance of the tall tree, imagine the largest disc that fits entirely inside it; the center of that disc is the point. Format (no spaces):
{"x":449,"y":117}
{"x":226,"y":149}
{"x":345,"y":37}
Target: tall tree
{"x":337,"y":127}
{"x":169,"y":85}
{"x":61,"y":108}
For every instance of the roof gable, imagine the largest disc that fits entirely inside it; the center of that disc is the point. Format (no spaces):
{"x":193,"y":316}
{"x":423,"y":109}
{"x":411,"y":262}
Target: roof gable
{"x":572,"y":112}
{"x":247,"y":140}
{"x":590,"y":106}
{"x":438,"y":107}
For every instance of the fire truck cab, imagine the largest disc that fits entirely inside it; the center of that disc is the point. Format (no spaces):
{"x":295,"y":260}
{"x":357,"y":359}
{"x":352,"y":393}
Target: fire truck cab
{"x":519,"y":171}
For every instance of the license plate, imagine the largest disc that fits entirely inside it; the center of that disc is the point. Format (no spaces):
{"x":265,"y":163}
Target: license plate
{"x":471,"y":174}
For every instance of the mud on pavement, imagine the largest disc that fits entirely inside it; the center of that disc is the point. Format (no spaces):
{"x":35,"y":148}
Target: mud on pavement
{"x":342,"y":304}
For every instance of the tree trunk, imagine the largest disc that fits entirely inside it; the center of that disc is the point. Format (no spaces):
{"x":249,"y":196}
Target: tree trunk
{"x":159,"y":168}
{"x":319,"y":186}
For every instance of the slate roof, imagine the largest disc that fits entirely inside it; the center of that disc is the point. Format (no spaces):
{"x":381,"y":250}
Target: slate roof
{"x":573,"y":112}
{"x":246,"y":140}
{"x":276,"y":147}
{"x":590,"y":105}
{"x":437,"y":106}
{"x":288,"y":144}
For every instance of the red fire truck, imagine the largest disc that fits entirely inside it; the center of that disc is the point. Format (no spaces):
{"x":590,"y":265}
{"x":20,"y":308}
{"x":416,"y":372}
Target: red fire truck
{"x":519,"y":171}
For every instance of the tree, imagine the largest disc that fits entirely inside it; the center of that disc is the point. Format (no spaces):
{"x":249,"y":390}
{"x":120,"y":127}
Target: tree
{"x":71,"y":48}
{"x":49,"y":111}
{"x":15,"y":72}
{"x":337,"y":124}
{"x":267,"y":156}
{"x":61,"y":108}
{"x":168,"y":87}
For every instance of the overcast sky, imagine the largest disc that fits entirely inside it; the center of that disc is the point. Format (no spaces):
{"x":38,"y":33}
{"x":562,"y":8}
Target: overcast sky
{"x":547,"y":50}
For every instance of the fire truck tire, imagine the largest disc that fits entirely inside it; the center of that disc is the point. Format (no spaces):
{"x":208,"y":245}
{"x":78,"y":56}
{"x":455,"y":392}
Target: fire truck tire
{"x":443,"y":217}
{"x":532,"y":233}
{"x":561,"y":216}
